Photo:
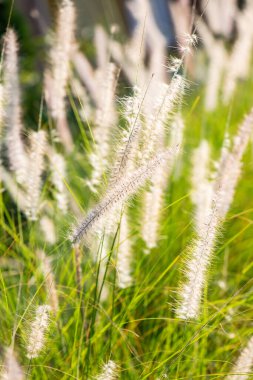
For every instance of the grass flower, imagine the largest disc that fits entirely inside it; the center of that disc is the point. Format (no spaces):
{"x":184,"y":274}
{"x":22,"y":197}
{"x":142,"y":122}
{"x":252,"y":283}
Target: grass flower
{"x":124,"y":255}
{"x":33,"y":183}
{"x":58,"y":169}
{"x":109,"y":371}
{"x":46,"y":269}
{"x":57,"y":75}
{"x":48,"y":229}
{"x":117,"y":196}
{"x":11,"y":368}
{"x":242,"y":369}
{"x":104,"y":121}
{"x":154,"y":196}
{"x":126,"y":151}
{"x":17,"y":157}
{"x":37,"y":332}
{"x":202,"y":186}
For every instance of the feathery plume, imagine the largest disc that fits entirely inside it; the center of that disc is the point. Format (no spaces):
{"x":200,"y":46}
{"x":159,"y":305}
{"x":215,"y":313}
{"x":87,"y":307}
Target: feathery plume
{"x":37,"y":331}
{"x":190,"y":294}
{"x":243,"y":366}
{"x":78,"y":266}
{"x":36,"y":167}
{"x":104,"y":252}
{"x":48,"y":229}
{"x":202,"y":247}
{"x":123,"y":265}
{"x":101,"y":44}
{"x":239,"y":63}
{"x":153,"y":197}
{"x":152,"y":205}
{"x":58,"y":169}
{"x":11,"y":368}
{"x":157,"y":113}
{"x":189,"y":41}
{"x":202,"y":186}
{"x":105,"y":115}
{"x":109,"y":371}
{"x":17,"y":194}
{"x":117,"y":196}
{"x":105,"y":118}
{"x":1,"y":122}
{"x":217,"y":63}
{"x":46,"y":269}
{"x":1,"y":107}
{"x":56,"y":77}
{"x":125,"y":153}
{"x":12,"y":109}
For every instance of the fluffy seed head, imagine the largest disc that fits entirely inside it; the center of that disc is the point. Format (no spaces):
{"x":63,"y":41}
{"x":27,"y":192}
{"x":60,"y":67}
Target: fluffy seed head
{"x":12,"y":109}
{"x":125,"y":153}
{"x":109,"y":371}
{"x":117,"y":196}
{"x":37,"y":331}
{"x":243,"y":366}
{"x":48,"y":229}
{"x":46,"y":269}
{"x":124,"y":255}
{"x":11,"y":368}
{"x":57,"y":75}
{"x":104,"y":120}
{"x":202,"y":186}
{"x":36,"y":167}
{"x":58,"y":168}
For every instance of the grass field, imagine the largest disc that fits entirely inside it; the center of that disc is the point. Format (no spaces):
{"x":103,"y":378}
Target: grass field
{"x":136,"y":327}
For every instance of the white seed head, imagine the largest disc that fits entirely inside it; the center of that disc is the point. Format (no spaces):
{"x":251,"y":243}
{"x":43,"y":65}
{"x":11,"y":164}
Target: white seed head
{"x":57,"y":75}
{"x":11,"y":368}
{"x":17,"y":157}
{"x":34,"y":179}
{"x":124,"y":255}
{"x":244,"y":364}
{"x":48,"y":229}
{"x":116,"y":197}
{"x":37,"y":331}
{"x":109,"y":371}
{"x":47,"y":271}
{"x":58,"y":169}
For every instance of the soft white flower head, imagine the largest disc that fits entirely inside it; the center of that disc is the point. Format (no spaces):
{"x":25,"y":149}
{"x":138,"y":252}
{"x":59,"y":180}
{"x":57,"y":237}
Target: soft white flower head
{"x":58,"y":169}
{"x":37,"y":330}
{"x":109,"y":371}
{"x":12,"y":120}
{"x":242,"y":369}
{"x":36,"y":153}
{"x":48,"y":229}
{"x":124,"y":255}
{"x":47,"y":271}
{"x":11,"y":368}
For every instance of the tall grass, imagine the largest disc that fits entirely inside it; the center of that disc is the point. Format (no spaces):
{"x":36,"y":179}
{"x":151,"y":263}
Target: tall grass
{"x":141,"y":178}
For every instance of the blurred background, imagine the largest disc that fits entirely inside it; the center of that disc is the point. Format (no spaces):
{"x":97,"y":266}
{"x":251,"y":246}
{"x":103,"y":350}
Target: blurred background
{"x":140,"y":34}
{"x":169,"y":15}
